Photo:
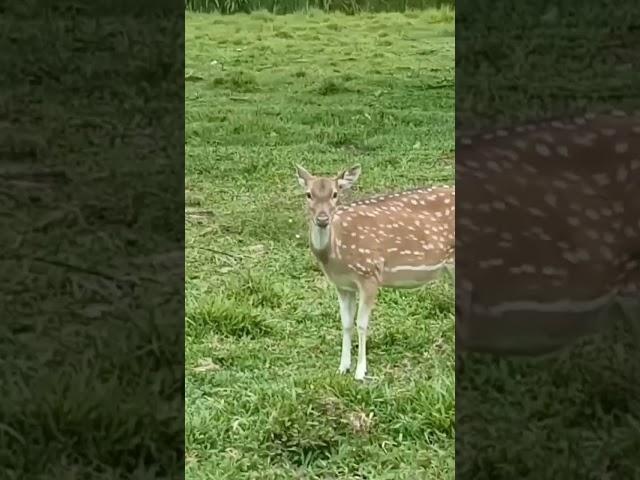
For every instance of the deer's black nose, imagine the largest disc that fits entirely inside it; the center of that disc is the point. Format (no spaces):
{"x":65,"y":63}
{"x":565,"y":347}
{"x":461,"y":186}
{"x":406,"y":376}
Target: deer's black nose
{"x":322,"y":220}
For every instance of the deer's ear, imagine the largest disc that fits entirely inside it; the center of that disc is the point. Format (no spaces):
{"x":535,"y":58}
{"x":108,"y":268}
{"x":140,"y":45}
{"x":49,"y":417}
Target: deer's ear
{"x":348,"y":177}
{"x":303,"y":176}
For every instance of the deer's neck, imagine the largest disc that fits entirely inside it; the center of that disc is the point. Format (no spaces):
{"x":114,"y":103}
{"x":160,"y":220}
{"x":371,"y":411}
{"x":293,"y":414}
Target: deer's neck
{"x":320,"y":242}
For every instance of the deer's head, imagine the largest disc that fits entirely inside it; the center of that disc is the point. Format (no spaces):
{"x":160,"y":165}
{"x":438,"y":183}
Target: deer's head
{"x":323,"y":193}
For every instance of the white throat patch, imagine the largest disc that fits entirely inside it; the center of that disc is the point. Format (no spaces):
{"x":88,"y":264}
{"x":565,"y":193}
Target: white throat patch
{"x":320,"y":237}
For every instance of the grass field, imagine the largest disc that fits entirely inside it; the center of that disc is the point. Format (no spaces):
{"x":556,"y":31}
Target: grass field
{"x":262,"y":325}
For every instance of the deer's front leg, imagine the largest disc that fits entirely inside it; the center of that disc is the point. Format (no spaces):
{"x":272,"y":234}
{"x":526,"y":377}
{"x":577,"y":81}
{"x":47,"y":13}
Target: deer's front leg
{"x":347,"y":301}
{"x":368,"y":293}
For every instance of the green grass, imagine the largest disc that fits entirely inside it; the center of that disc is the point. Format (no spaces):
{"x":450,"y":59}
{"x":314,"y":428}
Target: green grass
{"x":292,"y":6}
{"x":91,"y":370}
{"x":263,"y":399}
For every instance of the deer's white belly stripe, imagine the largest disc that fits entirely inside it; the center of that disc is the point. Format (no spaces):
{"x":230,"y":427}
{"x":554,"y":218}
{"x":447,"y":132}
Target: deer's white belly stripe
{"x":416,"y":268}
{"x":558,"y":306}
{"x":320,"y":237}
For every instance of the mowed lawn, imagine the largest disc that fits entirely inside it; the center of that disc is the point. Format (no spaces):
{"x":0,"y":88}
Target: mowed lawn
{"x":263,"y":332}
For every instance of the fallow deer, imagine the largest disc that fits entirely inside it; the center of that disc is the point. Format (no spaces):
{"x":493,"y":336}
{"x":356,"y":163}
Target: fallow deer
{"x":397,"y":240}
{"x":548,"y":232}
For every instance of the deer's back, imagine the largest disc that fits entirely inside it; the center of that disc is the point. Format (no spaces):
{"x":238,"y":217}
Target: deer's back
{"x":412,"y":230}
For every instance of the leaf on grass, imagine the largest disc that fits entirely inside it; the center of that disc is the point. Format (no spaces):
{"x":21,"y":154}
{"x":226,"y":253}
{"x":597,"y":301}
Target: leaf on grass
{"x":206,"y":365}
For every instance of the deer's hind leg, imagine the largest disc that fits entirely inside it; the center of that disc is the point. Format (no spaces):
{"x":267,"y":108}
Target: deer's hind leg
{"x":368,"y":294}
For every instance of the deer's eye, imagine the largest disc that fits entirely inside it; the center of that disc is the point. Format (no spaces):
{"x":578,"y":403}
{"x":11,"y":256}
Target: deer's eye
{"x":309,"y":195}
{"x":335,"y":195}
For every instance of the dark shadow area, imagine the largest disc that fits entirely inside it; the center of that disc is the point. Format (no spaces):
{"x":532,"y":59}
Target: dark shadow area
{"x":92,"y":234}
{"x":547,"y":237}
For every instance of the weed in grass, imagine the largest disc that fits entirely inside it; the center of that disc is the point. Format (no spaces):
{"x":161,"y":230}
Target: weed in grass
{"x":227,"y":317}
{"x":239,"y":81}
{"x":331,"y":86}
